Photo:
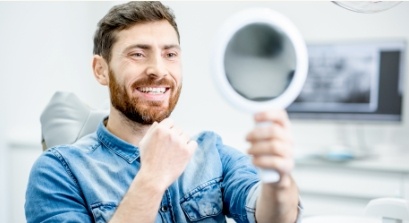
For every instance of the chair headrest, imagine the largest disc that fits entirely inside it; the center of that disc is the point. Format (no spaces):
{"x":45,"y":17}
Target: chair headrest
{"x":66,"y":119}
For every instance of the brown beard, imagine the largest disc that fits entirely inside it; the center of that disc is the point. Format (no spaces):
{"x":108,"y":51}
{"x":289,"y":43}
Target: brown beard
{"x":142,"y":112}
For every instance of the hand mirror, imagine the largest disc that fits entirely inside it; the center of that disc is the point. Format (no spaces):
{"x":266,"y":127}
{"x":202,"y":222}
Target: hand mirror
{"x":260,"y":63}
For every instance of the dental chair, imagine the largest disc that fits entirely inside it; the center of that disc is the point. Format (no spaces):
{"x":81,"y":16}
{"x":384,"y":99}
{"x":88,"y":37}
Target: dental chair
{"x":66,"y":118}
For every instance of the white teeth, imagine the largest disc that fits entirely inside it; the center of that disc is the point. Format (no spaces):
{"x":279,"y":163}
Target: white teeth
{"x":152,"y":90}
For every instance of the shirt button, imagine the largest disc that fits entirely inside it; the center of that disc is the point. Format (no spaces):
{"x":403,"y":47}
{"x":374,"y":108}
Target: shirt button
{"x":164,"y":208}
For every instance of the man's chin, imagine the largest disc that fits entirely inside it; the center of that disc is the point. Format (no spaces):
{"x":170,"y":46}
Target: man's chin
{"x":155,"y":116}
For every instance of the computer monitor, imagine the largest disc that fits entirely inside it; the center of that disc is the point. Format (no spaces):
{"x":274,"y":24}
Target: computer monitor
{"x":355,"y":81}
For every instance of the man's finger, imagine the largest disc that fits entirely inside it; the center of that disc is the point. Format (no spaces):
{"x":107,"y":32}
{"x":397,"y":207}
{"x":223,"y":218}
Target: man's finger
{"x":167,"y":123}
{"x":282,"y":165}
{"x":277,"y":116}
{"x":273,"y":147}
{"x":268,"y":132}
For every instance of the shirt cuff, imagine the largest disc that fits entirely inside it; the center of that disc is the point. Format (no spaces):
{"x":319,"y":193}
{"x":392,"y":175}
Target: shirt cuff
{"x":252,"y":200}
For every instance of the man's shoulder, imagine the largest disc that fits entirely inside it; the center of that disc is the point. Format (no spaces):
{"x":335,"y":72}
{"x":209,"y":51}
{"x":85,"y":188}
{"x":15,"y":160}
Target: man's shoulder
{"x":69,"y":157}
{"x":86,"y":144}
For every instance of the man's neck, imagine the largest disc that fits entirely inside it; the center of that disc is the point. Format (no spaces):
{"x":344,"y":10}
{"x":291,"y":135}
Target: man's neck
{"x":125,"y":129}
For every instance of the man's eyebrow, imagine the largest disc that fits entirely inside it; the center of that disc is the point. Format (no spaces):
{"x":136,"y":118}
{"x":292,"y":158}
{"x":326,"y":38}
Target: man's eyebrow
{"x":140,"y":46}
{"x":172,"y":46}
{"x":147,"y":47}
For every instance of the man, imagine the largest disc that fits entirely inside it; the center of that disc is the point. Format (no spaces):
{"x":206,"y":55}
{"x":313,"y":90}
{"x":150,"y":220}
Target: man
{"x":139,"y":166}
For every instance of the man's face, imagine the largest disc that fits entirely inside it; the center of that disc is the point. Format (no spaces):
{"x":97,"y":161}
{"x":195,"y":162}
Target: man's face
{"x":145,"y":77}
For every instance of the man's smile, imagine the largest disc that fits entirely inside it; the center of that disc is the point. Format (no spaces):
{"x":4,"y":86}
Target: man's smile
{"x":152,"y":90}
{"x":153,"y":93}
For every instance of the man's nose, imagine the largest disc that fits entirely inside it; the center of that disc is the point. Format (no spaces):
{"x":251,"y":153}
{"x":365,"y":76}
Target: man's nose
{"x":157,"y":67}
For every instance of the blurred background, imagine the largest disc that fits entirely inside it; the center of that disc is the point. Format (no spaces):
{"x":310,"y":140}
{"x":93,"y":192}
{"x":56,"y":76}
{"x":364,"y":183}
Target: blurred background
{"x":47,"y":47}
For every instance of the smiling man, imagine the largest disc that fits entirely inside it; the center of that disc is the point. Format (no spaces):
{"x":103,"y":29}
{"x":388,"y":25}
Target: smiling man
{"x":139,"y":166}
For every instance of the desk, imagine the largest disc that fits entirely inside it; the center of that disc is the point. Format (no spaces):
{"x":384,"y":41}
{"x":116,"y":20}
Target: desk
{"x":345,"y":188}
{"x":341,"y":219}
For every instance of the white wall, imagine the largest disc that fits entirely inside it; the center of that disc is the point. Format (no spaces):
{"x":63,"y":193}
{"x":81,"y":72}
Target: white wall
{"x":47,"y":46}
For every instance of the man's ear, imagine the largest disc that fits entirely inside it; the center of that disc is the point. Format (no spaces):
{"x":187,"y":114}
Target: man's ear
{"x":100,"y":69}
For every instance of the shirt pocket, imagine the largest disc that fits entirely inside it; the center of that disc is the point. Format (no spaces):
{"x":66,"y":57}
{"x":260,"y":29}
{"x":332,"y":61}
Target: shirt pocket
{"x":204,"y":203}
{"x":103,"y":212}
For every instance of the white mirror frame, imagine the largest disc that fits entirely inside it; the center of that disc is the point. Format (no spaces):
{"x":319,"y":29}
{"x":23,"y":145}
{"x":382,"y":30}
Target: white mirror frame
{"x":278,"y":22}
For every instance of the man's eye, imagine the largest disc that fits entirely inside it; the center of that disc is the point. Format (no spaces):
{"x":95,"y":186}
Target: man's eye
{"x":171,"y":55}
{"x":137,"y":55}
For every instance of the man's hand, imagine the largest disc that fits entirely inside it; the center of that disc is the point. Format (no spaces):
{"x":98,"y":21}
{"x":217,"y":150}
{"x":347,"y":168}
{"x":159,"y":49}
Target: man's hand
{"x":165,"y":152}
{"x":271,"y":145}
{"x":271,"y":148}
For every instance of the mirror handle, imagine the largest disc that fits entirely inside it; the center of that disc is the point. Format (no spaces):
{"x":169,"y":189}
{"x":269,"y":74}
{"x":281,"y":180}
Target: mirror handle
{"x":269,"y":176}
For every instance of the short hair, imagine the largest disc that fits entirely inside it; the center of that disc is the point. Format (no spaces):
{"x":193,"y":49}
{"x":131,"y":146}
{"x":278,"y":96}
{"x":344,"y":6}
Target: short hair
{"x":123,"y":16}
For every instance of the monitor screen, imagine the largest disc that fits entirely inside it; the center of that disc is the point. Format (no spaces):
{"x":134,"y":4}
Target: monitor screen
{"x":353,"y":81}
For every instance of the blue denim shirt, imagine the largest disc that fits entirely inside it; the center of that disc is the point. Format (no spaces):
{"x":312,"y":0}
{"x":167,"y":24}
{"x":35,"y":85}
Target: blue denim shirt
{"x":86,"y":181}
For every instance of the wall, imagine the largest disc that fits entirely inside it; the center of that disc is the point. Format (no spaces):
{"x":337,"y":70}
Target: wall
{"x":47,"y":47}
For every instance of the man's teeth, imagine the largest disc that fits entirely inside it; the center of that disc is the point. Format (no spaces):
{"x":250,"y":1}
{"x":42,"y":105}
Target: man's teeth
{"x":152,"y":90}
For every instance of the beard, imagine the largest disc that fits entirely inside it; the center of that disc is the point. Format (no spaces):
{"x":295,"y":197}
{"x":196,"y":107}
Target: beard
{"x":137,"y":110}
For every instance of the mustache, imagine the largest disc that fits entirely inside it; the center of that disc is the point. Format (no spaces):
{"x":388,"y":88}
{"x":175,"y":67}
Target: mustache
{"x":149,"y":81}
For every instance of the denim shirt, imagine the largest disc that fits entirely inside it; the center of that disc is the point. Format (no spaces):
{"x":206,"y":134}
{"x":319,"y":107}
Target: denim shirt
{"x":86,"y":181}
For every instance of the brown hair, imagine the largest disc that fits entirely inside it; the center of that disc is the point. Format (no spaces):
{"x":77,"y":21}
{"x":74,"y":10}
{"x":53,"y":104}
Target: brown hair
{"x":122,"y":17}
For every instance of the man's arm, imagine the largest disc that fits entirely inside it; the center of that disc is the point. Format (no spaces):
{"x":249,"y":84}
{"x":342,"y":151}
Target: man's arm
{"x":165,"y":152}
{"x":278,"y":202}
{"x":141,"y":202}
{"x":271,"y":148}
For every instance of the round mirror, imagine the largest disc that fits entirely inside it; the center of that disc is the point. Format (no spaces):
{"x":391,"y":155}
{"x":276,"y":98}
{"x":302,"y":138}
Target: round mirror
{"x":260,"y":63}
{"x":261,"y":60}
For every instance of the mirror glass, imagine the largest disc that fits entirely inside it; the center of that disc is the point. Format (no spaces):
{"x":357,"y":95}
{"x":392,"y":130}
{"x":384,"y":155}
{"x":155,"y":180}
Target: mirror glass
{"x":259,"y":62}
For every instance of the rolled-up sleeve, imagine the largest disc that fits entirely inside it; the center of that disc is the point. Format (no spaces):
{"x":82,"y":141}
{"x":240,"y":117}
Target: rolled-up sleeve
{"x":252,"y":200}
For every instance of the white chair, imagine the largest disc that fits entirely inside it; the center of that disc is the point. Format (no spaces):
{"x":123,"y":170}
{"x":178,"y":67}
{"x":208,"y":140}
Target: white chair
{"x":390,"y":210}
{"x":66,"y":118}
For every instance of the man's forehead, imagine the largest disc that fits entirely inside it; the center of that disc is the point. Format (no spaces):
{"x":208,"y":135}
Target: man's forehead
{"x":150,"y":33}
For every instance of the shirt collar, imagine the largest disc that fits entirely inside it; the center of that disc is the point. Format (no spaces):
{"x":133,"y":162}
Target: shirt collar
{"x":120,"y":147}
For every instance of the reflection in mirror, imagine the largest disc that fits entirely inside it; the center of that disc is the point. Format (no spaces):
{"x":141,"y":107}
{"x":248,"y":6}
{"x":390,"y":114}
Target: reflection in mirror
{"x":259,"y":62}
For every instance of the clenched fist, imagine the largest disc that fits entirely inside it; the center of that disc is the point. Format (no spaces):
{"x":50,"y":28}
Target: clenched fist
{"x":165,"y":152}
